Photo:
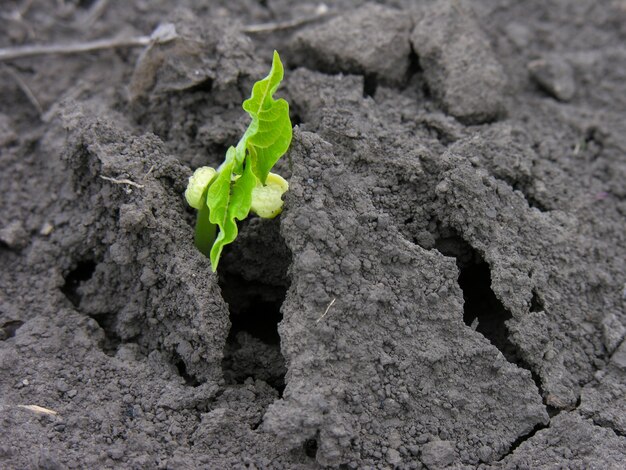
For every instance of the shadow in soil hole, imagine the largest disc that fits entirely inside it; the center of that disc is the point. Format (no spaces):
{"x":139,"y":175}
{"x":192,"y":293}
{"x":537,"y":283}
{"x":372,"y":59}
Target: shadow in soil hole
{"x":482,"y":310}
{"x":190,"y":380}
{"x":9,"y":328}
{"x":81,"y":273}
{"x":253,"y":280}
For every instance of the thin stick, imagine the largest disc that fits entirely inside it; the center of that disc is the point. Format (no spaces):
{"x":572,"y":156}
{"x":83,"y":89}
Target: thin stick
{"x":38,"y":409}
{"x":18,"y":15}
{"x":73,"y":48}
{"x":25,"y":89}
{"x":149,"y":171}
{"x":122,"y":181}
{"x":321,"y":11}
{"x":18,"y":52}
{"x":24,"y":9}
{"x":95,"y":12}
{"x":326,"y":311}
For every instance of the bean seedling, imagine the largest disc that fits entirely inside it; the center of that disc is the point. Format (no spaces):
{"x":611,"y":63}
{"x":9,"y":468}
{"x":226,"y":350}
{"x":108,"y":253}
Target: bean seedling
{"x":243,"y":182}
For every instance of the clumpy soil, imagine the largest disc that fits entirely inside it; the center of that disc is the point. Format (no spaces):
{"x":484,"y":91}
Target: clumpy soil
{"x":444,"y":288}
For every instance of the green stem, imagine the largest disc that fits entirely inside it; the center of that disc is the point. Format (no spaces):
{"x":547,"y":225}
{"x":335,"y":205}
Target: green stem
{"x":205,"y":230}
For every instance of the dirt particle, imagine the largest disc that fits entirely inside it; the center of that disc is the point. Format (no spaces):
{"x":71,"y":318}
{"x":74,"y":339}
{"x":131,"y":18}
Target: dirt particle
{"x":446,"y":34}
{"x":438,"y":454}
{"x":14,"y":236}
{"x":554,"y":75}
{"x":337,"y":46}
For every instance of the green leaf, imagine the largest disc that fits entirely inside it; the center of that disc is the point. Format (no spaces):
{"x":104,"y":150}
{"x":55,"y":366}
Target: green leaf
{"x":229,"y":198}
{"x":224,"y":196}
{"x":269,"y":134}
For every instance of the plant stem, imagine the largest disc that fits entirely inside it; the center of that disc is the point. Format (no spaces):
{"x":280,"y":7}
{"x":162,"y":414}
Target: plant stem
{"x":205,"y":230}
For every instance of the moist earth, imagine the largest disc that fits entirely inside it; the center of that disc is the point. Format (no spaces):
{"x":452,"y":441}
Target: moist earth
{"x":445,"y":286}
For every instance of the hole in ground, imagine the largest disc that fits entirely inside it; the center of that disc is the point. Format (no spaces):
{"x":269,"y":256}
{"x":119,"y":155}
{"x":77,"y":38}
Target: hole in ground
{"x":525,"y":190}
{"x":205,"y":86}
{"x":8,"y":329}
{"x":86,"y":3}
{"x":414,"y":79}
{"x":254,"y":283}
{"x":481,"y":308}
{"x":484,"y":311}
{"x":310,"y":448}
{"x":82,"y":272}
{"x":536,"y":304}
{"x":296,"y":119}
{"x":190,"y":379}
{"x":112,"y":341}
{"x":370,"y":84}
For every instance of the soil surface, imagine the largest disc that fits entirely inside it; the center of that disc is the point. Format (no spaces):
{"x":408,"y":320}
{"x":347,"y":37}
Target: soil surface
{"x":446,"y":286}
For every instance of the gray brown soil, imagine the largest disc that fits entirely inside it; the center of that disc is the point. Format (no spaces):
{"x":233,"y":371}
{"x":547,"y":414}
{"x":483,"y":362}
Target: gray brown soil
{"x":446,"y":286}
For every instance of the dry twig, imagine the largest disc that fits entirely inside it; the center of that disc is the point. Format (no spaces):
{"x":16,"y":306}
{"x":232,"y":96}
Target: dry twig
{"x":95,"y":12}
{"x":25,"y":89}
{"x":322,"y":10}
{"x":38,"y":409}
{"x":122,"y":181}
{"x":326,"y":311}
{"x":32,"y":50}
{"x":72,"y":48}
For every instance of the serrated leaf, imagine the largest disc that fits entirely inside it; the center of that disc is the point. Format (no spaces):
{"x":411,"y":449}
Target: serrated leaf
{"x":269,"y":134}
{"x":229,"y":199}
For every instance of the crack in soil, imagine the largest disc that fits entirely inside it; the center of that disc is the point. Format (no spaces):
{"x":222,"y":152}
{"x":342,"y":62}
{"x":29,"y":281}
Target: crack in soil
{"x":485,"y":313}
{"x":82,"y":272}
{"x":253,"y":344}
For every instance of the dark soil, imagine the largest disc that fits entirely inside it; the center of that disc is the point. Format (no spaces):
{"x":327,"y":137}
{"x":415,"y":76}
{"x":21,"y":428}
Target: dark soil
{"x":446,"y":285}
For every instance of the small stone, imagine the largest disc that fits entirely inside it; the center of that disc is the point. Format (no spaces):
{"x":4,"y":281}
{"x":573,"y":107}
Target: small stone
{"x":555,"y":76}
{"x":148,"y":277}
{"x":484,"y":453}
{"x":413,"y":449}
{"x":393,"y":457}
{"x":72,"y":393}
{"x":115,"y":453}
{"x":438,"y":454}
{"x":613,"y":330}
{"x":46,"y":229}
{"x":519,"y":34}
{"x":442,"y":187}
{"x":14,"y":235}
{"x":131,"y":218}
{"x":62,"y":386}
{"x":549,"y":354}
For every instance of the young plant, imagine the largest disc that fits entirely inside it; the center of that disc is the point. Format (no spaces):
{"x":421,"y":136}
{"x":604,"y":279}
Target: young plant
{"x":243,"y":182}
